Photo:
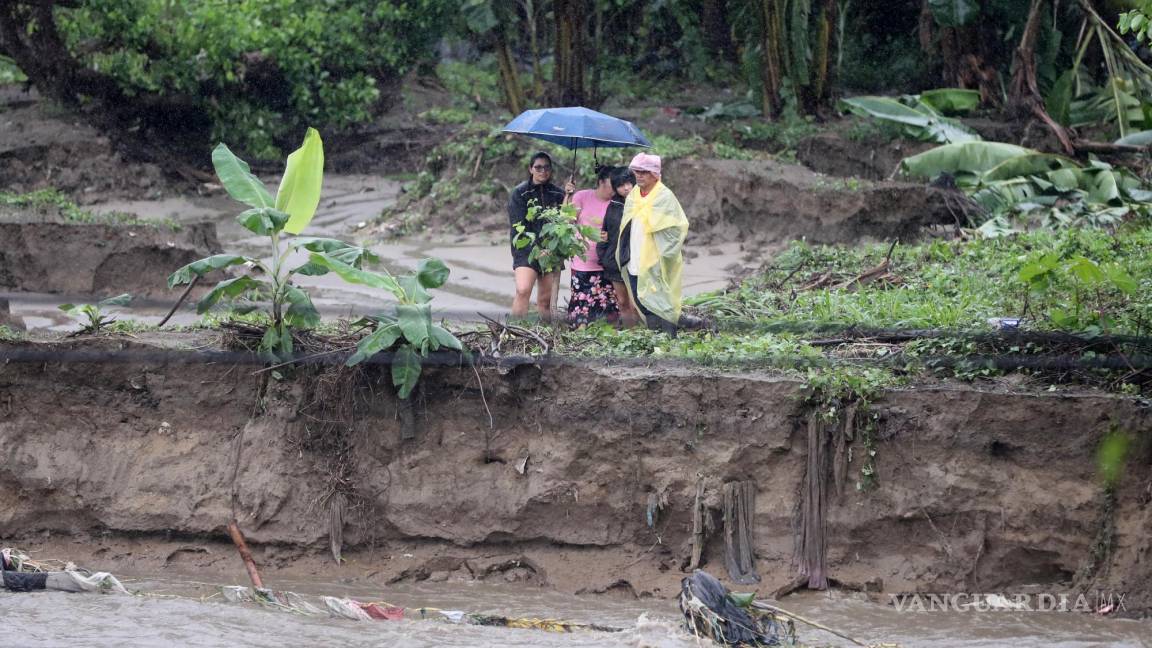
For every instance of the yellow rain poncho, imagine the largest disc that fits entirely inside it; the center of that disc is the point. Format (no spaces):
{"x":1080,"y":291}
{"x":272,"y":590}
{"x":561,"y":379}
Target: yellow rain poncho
{"x":659,"y":262}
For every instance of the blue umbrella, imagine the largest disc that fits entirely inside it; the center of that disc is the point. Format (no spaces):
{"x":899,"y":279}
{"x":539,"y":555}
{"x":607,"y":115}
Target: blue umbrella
{"x":577,"y":128}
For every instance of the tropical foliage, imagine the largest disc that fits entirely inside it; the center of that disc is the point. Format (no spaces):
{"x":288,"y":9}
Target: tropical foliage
{"x":253,"y":72}
{"x":289,"y":211}
{"x":408,"y":331}
{"x":92,"y":317}
{"x":923,"y":116}
{"x":1007,"y":181}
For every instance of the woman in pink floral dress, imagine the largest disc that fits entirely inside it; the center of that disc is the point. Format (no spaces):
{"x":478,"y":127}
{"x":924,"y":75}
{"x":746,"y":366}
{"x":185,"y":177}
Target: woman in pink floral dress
{"x":592,"y":295}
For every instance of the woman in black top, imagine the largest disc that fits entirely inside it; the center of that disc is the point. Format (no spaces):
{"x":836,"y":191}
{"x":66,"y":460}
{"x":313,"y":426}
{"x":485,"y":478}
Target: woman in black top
{"x":622,"y":182}
{"x":538,"y":189}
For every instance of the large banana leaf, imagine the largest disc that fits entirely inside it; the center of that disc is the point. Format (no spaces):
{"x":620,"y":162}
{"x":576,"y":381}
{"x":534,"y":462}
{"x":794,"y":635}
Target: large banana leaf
{"x":964,"y":157}
{"x":299,"y":192}
{"x":238,"y":180}
{"x":1027,"y":165}
{"x":406,"y":370}
{"x":1141,"y":138}
{"x":1113,"y":103}
{"x":951,"y":101}
{"x":922,"y":121}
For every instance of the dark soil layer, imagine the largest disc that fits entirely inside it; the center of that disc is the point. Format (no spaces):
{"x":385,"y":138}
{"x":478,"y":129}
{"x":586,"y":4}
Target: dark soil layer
{"x":142,"y":459}
{"x":100,"y":260}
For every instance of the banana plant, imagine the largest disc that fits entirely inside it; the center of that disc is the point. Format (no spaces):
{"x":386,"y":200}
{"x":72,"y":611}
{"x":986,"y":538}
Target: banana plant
{"x":922,"y":116}
{"x":1006,"y":179}
{"x":409,"y":332}
{"x":290,"y":307}
{"x":92,"y":317}
{"x":1117,"y":94}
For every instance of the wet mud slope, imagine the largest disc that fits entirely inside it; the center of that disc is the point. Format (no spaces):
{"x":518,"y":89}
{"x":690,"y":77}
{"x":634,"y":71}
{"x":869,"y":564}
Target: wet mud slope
{"x":98,"y":260}
{"x":772,"y":202}
{"x":143,"y":454}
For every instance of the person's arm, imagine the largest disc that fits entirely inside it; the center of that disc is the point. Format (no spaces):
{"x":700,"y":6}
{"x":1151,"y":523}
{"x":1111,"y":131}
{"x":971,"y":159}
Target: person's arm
{"x":669,"y":241}
{"x":517,"y":208}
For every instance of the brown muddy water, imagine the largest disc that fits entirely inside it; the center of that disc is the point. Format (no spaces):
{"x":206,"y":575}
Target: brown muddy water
{"x":186,"y":612}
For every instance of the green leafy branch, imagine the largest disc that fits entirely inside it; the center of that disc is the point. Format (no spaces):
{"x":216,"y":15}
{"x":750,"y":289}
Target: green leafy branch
{"x":559,"y":239}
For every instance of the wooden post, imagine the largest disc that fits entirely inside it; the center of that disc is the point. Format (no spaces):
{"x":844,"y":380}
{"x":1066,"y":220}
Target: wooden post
{"x":245,"y":555}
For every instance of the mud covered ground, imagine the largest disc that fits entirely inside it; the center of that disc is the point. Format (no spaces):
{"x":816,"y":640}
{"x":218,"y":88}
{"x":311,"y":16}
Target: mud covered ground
{"x":106,"y":443}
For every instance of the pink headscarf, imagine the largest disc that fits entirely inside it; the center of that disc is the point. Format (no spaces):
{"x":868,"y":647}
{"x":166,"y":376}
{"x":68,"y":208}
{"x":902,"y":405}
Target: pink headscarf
{"x":646,"y":162}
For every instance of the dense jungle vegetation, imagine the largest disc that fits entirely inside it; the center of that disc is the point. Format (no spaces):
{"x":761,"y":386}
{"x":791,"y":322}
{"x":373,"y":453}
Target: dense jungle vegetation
{"x":256,"y":73}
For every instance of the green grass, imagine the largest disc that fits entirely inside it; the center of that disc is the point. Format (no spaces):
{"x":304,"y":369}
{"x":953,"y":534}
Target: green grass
{"x":446,"y":116}
{"x":52,"y":199}
{"x":10,"y":334}
{"x":950,"y":285}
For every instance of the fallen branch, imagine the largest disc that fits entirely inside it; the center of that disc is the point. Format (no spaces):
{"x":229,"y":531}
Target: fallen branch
{"x":1089,"y":146}
{"x":872,"y":274}
{"x":519,"y":331}
{"x":183,"y":296}
{"x":245,"y":554}
{"x":819,"y":282}
{"x":760,"y":605}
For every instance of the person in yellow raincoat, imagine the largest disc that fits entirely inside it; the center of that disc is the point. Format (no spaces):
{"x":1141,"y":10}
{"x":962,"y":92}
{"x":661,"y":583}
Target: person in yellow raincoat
{"x":653,"y":228}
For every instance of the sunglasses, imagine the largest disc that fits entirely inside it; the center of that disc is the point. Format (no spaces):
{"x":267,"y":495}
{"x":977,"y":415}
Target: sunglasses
{"x":541,"y":168}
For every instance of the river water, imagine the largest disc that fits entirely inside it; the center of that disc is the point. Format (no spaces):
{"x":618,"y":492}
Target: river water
{"x":175,"y":612}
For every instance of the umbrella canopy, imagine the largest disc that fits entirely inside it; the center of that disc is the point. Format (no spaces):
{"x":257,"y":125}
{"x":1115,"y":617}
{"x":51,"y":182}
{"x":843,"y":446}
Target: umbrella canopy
{"x":576,"y":128}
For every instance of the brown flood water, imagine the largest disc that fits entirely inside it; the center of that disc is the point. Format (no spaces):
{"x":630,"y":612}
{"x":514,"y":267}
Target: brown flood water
{"x":174,"y":612}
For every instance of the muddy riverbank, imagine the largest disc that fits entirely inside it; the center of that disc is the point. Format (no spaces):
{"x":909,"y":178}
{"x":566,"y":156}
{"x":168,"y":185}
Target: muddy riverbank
{"x":117,"y":445}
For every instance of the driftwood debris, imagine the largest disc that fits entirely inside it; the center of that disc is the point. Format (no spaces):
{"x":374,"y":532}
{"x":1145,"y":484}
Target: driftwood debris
{"x":245,"y":554}
{"x":880,"y":272}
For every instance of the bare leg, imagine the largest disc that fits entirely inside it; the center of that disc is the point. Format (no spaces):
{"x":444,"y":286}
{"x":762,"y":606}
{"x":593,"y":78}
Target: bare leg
{"x":628,"y":315}
{"x":555,"y":292}
{"x":525,"y":279}
{"x":549,"y":286}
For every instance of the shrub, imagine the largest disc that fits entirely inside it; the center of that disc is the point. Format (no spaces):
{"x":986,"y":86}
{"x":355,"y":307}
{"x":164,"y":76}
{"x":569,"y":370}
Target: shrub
{"x":259,"y":70}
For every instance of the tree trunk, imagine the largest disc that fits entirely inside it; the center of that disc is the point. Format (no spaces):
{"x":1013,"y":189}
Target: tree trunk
{"x":570,"y":59}
{"x":717,"y":31}
{"x":531,"y":13}
{"x":509,"y":79}
{"x":770,"y":72}
{"x":1024,"y":95}
{"x":822,"y":57}
{"x":594,"y":95}
{"x":1024,"y":90}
